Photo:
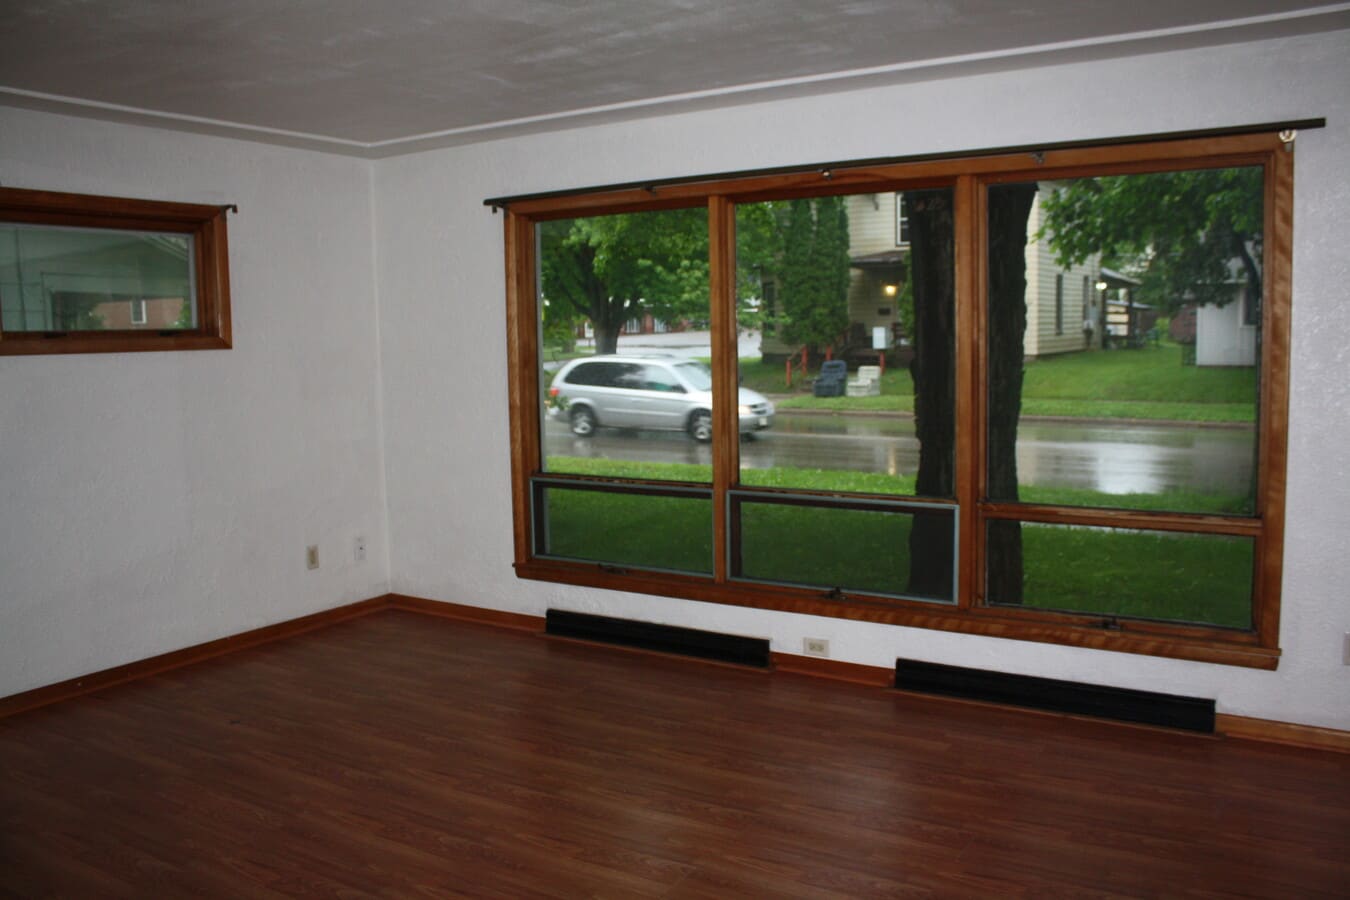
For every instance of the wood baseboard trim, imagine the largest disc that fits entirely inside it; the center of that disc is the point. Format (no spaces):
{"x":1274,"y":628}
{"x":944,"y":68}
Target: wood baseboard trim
{"x":1227,"y":726}
{"x":95,"y":681}
{"x":481,"y":615}
{"x":837,"y":670}
{"x":1287,"y":733}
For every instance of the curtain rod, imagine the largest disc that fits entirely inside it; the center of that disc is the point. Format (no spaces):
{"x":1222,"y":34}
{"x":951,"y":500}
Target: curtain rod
{"x":652,"y":184}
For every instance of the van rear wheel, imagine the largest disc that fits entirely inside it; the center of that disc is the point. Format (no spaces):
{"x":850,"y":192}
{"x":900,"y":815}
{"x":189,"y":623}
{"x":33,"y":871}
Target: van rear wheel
{"x":700,"y":426}
{"x":583,"y":422}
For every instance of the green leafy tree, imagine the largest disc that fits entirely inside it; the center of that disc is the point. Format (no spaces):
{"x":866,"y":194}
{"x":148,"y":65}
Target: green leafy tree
{"x":613,"y":268}
{"x":759,"y":248}
{"x":75,"y":310}
{"x":831,"y":256}
{"x":1181,"y":233}
{"x":813,"y":272}
{"x":560,"y":322}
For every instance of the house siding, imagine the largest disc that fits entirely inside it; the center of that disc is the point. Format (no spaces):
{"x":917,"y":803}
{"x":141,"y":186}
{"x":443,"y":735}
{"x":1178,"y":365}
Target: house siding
{"x":1041,"y":339}
{"x":1222,"y":338}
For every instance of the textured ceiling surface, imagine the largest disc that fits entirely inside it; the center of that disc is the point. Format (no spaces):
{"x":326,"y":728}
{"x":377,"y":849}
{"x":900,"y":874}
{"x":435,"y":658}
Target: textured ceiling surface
{"x":370,"y":73}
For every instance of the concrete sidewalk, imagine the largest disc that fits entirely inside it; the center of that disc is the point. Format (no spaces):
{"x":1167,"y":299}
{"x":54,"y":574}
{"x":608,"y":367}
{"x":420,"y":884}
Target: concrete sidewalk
{"x":688,"y":344}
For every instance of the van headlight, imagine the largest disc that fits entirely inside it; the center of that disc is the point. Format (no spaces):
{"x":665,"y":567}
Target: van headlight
{"x":744,"y":409}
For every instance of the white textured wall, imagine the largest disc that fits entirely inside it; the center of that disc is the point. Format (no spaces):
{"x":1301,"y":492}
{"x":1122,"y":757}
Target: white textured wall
{"x":443,"y":337}
{"x":150,"y":501}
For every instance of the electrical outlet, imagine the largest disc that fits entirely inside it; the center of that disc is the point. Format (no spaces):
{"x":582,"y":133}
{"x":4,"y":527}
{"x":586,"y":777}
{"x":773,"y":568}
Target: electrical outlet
{"x":312,"y":556}
{"x":815,"y":647}
{"x":359,"y":549}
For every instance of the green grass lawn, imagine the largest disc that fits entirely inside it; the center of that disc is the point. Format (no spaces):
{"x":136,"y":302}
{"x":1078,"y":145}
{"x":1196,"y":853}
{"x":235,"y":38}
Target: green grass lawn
{"x":844,"y":482}
{"x":1188,"y":578}
{"x":631,"y":529}
{"x":1154,"y":575}
{"x":1149,"y":383}
{"x":1196,"y":578}
{"x":1150,"y":374}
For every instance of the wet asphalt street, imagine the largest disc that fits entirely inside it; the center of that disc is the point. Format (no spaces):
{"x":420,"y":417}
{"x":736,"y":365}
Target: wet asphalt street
{"x":1114,"y":458}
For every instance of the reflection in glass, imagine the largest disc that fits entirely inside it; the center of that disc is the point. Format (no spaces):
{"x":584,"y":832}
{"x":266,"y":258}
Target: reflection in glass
{"x":1129,"y":308}
{"x":86,"y":279}
{"x":864,"y":284}
{"x":649,"y":531}
{"x":1173,"y":576}
{"x":852,"y":549}
{"x":624,"y":342}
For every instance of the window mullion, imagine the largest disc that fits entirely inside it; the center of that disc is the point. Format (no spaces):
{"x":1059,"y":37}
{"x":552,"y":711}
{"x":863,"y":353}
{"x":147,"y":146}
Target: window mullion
{"x":1274,"y":362}
{"x":970,"y":404}
{"x":522,"y":325}
{"x":722,"y":319}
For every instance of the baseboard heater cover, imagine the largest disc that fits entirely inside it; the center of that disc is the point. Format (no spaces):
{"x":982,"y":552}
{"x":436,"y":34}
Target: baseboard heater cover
{"x":1121,"y":704}
{"x":661,"y":638}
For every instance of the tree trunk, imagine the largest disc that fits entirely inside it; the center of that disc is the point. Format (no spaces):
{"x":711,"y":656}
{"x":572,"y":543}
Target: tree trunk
{"x":1250,"y":268}
{"x":608,"y":315}
{"x":1009,"y":208}
{"x":932,"y":284}
{"x":606,"y":338}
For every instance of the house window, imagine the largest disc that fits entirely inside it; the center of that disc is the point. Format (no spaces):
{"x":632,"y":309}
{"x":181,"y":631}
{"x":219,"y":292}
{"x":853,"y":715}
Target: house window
{"x":82,"y":274}
{"x":971,"y":508}
{"x":1059,"y":303}
{"x":1251,"y":306}
{"x":901,"y":222}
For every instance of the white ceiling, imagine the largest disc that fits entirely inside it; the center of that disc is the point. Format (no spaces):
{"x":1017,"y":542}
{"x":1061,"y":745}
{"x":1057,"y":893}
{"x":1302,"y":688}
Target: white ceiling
{"x":379,"y":77}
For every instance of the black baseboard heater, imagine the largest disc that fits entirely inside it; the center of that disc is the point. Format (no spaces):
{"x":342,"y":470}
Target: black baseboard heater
{"x":728,"y":648}
{"x":1121,"y":704}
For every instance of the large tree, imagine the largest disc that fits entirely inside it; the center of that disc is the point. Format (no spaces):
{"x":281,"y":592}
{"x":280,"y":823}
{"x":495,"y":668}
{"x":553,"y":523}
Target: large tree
{"x":932,"y":283}
{"x":813,"y":273}
{"x":613,"y":268}
{"x":1187,"y":235}
{"x":1009,"y":210}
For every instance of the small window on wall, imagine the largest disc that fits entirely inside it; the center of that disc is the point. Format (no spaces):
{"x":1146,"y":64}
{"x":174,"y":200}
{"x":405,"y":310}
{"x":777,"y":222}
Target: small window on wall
{"x":84,"y":274}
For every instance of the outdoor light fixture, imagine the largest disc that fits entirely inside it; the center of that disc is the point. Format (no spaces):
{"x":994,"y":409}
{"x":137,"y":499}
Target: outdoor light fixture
{"x":889,"y":290}
{"x":1101,"y":285}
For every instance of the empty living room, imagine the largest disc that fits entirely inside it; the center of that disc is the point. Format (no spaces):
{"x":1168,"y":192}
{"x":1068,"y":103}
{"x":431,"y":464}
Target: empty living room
{"x":789,"y":449}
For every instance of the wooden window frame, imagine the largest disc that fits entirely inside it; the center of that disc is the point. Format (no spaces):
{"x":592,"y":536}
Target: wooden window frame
{"x":204,"y":224}
{"x":969,"y":177}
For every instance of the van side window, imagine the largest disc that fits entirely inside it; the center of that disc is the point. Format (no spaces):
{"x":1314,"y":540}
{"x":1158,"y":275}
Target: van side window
{"x":658,"y":378}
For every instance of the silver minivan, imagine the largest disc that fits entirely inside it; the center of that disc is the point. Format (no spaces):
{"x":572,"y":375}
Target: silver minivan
{"x":649,"y":392}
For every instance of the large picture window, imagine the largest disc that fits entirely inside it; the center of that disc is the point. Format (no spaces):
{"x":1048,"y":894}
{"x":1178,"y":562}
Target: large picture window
{"x":81,"y":274}
{"x":741,"y":390}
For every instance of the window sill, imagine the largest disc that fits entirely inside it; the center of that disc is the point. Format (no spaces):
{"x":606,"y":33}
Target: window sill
{"x":1150,"y":639}
{"x":39,"y":344}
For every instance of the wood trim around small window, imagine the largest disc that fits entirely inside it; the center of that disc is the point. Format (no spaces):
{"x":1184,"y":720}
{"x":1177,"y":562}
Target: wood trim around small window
{"x":1257,"y":647}
{"x":204,"y":223}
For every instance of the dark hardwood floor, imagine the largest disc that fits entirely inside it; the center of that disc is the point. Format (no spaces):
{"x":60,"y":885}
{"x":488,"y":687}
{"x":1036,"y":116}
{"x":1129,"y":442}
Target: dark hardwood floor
{"x":405,"y":755}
